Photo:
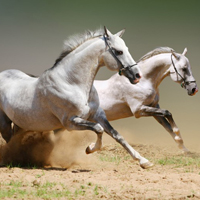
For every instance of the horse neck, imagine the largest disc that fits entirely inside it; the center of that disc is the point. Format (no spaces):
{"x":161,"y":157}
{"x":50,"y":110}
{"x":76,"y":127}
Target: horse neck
{"x":156,"y":68}
{"x":81,"y":65}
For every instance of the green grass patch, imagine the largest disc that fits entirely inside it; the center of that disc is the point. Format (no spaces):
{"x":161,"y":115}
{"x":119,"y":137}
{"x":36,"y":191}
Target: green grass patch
{"x":107,"y":158}
{"x":180,"y":161}
{"x":49,"y":190}
{"x":27,"y":166}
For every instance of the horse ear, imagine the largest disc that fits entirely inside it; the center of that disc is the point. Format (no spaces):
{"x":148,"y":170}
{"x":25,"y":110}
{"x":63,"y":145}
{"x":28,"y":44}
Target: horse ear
{"x":184,"y":52}
{"x":120,"y":33}
{"x":175,"y":55}
{"x":107,"y":32}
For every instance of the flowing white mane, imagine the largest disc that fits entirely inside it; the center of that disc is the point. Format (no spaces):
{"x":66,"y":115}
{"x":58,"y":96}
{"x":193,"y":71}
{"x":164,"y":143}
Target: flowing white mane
{"x":156,"y":51}
{"x":75,"y":41}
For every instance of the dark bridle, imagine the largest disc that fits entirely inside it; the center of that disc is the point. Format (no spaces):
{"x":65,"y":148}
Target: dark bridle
{"x":112,"y":51}
{"x":184,"y":82}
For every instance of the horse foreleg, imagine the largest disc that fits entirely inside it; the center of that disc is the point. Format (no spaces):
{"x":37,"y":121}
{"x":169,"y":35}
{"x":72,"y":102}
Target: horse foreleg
{"x":100,"y":117}
{"x":168,"y":128}
{"x":164,"y":117}
{"x":81,"y":124}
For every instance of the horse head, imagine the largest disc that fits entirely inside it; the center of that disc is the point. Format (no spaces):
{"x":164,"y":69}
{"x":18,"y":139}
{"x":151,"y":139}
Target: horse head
{"x":117,"y":56}
{"x":180,"y":71}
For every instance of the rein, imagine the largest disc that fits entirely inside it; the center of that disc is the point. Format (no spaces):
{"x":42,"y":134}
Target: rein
{"x":184,"y":82}
{"x":114,"y":55}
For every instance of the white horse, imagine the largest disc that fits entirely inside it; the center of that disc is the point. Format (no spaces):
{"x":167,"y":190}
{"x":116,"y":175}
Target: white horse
{"x":119,"y":99}
{"x":63,"y":96}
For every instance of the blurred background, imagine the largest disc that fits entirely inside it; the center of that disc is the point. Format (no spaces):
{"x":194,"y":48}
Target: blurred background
{"x":32,"y":35}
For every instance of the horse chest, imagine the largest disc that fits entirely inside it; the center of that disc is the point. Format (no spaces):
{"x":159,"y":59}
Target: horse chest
{"x":150,"y":96}
{"x":143,"y":92}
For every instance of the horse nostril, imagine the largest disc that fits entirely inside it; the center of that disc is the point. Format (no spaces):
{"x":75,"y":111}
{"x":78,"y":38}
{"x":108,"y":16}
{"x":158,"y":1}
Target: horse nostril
{"x":138,"y":75}
{"x":193,"y":90}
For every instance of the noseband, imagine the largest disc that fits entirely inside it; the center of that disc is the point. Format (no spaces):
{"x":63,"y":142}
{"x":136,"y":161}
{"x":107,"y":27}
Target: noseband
{"x":114,"y":55}
{"x":184,"y":82}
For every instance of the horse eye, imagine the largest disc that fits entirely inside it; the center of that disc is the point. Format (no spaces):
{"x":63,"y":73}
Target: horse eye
{"x":184,"y":69}
{"x":117,"y":53}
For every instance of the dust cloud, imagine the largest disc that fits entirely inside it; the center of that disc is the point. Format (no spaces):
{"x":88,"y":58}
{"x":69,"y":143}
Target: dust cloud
{"x":61,"y":150}
{"x":66,"y":149}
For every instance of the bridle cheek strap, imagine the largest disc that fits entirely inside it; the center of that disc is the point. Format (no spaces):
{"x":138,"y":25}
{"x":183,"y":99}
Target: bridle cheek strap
{"x":113,"y":54}
{"x":184,"y":82}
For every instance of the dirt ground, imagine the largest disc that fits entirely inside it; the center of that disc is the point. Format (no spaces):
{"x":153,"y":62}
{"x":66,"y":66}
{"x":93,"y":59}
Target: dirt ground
{"x":108,"y":174}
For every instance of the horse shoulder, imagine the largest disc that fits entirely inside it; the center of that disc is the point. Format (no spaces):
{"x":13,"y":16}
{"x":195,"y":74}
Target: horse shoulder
{"x":65,"y":100}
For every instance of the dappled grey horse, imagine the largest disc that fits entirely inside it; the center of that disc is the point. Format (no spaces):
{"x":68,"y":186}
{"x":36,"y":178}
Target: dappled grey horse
{"x":63,"y":96}
{"x":120,"y":99}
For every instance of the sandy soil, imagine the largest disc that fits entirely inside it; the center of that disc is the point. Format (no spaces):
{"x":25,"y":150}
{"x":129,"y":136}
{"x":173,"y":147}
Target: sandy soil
{"x":108,"y":174}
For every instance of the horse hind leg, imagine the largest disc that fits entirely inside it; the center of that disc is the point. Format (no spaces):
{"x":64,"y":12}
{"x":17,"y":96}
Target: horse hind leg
{"x":81,"y":124}
{"x":5,"y":126}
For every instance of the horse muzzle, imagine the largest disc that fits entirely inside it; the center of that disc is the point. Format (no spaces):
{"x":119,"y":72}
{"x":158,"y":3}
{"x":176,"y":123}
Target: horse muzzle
{"x":191,"y":87}
{"x":136,"y":79}
{"x":193,"y":91}
{"x":132,"y":73}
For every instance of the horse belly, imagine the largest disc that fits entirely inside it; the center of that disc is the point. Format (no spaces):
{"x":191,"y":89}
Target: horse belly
{"x":37,"y":121}
{"x":34,"y":115}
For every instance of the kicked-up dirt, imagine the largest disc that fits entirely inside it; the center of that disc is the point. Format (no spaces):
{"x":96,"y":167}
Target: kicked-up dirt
{"x":58,"y":165}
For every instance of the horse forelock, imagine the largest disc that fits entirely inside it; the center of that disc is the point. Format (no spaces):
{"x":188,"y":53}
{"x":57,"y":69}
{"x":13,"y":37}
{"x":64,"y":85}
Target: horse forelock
{"x":157,"y":51}
{"x":75,"y":41}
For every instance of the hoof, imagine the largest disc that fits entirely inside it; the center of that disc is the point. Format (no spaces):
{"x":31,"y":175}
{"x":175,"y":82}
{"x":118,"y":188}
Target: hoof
{"x":90,"y":148}
{"x":183,"y":149}
{"x":88,"y":151}
{"x":186,"y":152}
{"x":146,"y":165}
